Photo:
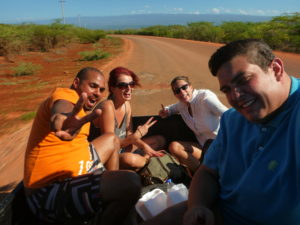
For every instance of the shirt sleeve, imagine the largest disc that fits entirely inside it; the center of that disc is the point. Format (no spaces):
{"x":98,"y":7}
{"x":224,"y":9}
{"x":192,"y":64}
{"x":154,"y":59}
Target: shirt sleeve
{"x":214,"y":154}
{"x":214,"y":104}
{"x":172,"y":109}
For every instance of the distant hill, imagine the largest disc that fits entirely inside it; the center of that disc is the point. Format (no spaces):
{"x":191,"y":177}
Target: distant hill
{"x":145,"y":20}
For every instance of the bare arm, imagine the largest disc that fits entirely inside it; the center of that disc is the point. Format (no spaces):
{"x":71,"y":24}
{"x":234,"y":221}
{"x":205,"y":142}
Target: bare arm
{"x":106,"y":122}
{"x":64,"y":120}
{"x":135,"y":138}
{"x":203,"y":194}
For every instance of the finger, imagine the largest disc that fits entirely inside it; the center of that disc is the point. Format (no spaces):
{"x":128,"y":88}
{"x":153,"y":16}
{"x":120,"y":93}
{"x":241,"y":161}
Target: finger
{"x":149,"y":120}
{"x":163,"y":107}
{"x":57,"y":122}
{"x":65,"y":136}
{"x":79,"y":104}
{"x":152,"y":123}
{"x":90,"y":117}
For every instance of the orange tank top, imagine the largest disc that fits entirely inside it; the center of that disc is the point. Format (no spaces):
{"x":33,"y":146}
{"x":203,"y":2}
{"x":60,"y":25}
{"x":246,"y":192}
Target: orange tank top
{"x":48,"y":158}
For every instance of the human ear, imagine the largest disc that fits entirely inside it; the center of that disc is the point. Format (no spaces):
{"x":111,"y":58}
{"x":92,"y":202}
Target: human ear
{"x":278,"y":68}
{"x":76,"y":82}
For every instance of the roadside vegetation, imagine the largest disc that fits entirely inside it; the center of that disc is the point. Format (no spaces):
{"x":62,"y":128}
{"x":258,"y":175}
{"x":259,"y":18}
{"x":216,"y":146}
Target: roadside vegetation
{"x":37,"y":58}
{"x":16,"y":39}
{"x":93,"y":55}
{"x":25,"y":69}
{"x":281,"y":33}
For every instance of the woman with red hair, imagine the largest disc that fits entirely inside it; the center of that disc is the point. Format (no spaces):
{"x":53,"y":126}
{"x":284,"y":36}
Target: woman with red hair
{"x":117,"y":118}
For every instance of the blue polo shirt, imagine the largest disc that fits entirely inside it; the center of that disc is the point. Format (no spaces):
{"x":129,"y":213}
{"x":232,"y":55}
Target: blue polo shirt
{"x":259,"y":166}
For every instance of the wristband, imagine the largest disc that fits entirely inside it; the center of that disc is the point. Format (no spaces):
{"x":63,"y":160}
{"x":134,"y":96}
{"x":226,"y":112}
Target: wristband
{"x":140,"y":132}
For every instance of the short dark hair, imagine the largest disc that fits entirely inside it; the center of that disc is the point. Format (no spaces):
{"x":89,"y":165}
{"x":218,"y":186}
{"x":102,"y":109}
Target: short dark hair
{"x":82,"y":74}
{"x":256,"y":51}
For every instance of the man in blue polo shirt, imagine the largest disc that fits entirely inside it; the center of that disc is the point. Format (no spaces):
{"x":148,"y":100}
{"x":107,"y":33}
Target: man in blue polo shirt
{"x":252,"y":169}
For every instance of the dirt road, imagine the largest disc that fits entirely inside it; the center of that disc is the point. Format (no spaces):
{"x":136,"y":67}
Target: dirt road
{"x":156,"y":61}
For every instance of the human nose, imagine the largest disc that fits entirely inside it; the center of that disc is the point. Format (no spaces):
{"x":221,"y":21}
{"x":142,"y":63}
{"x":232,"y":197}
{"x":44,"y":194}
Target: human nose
{"x":97,"y":93}
{"x":236,"y":92}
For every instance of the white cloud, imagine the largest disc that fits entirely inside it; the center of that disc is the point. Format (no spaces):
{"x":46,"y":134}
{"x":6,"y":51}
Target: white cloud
{"x":177,"y":9}
{"x":215,"y":10}
{"x":243,"y":12}
{"x":260,"y":12}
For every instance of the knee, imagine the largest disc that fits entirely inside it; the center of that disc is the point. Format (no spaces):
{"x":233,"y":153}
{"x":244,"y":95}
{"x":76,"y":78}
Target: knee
{"x":131,"y":161}
{"x":114,"y":139}
{"x":174,"y":147}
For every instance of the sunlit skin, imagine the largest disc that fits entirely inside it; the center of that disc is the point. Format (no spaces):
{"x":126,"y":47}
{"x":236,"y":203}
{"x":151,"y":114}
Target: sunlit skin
{"x":93,"y":86}
{"x":254,"y":93}
{"x":122,"y":95}
{"x":184,"y":96}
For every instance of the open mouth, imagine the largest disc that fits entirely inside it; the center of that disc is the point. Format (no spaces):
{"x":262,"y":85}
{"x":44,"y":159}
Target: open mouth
{"x":92,"y":101}
{"x":127,"y":95}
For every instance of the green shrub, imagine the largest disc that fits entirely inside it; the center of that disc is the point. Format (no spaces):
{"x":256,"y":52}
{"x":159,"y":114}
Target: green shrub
{"x":89,"y":36}
{"x":93,"y":55}
{"x":25,"y":69}
{"x":28,"y":116}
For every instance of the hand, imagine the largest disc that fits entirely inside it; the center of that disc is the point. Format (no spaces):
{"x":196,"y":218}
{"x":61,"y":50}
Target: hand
{"x":152,"y":153}
{"x":143,"y":129}
{"x":67,"y":125}
{"x":163,"y":113}
{"x":198,"y":216}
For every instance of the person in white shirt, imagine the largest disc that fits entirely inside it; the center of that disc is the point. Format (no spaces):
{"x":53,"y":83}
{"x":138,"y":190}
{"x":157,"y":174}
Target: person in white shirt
{"x":201,"y":111}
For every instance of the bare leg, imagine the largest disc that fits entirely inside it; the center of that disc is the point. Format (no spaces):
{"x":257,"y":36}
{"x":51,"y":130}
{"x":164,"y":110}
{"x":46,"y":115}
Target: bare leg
{"x":130,"y":160}
{"x":188,"y":153}
{"x":172,"y":215}
{"x":120,"y":191}
{"x":107,"y":147}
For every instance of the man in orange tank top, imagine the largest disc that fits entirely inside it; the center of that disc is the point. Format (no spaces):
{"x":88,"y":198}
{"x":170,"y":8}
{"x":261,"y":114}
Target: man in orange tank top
{"x":65,"y":176}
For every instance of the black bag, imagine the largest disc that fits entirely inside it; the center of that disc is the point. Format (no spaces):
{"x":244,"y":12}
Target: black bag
{"x":159,"y":169}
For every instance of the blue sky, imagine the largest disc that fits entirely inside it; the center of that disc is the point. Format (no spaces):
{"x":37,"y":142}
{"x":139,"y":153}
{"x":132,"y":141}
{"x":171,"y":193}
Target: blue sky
{"x":30,"y":10}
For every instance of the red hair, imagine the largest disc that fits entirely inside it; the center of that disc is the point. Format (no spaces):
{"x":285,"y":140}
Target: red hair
{"x":118,"y":71}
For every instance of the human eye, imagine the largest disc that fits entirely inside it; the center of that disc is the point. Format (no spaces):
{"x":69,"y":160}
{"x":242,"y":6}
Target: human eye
{"x":93,"y":85}
{"x":225,"y":90}
{"x":243,"y":80}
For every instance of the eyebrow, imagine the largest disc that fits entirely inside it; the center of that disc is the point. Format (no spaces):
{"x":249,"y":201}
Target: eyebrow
{"x":234,"y":80}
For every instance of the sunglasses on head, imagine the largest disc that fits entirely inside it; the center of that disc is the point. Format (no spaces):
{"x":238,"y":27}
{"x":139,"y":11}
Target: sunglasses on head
{"x":183,"y":87}
{"x":124,"y":85}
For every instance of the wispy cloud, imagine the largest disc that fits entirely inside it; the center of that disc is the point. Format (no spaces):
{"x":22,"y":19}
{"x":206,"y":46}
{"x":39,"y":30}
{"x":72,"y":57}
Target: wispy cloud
{"x":215,"y":10}
{"x":259,"y":12}
{"x":177,"y":9}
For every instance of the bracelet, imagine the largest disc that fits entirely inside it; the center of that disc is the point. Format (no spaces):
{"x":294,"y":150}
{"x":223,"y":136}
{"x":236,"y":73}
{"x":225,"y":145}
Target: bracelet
{"x":140,"y":132}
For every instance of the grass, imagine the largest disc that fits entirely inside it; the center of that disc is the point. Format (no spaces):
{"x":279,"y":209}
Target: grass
{"x":28,"y":116}
{"x":5,"y":81}
{"x":25,"y":69}
{"x":93,"y":55}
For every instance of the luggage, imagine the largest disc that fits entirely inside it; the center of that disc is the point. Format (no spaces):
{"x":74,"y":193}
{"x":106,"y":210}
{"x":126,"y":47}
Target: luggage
{"x":159,"y":169}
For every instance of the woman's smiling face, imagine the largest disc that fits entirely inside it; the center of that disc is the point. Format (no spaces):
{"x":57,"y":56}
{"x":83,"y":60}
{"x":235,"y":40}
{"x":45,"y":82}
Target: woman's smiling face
{"x":124,"y":87}
{"x":182,"y":91}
